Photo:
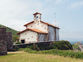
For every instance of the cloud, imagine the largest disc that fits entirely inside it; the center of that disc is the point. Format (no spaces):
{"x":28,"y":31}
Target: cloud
{"x":15,"y":13}
{"x":77,"y":4}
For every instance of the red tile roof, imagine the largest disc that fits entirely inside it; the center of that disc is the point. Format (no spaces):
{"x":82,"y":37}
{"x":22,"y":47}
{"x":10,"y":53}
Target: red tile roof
{"x":29,"y":23}
{"x":42,"y":22}
{"x":35,"y":30}
{"x":49,"y":24}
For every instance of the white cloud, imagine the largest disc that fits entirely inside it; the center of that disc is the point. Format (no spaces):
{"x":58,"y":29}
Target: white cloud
{"x":15,"y":13}
{"x":77,"y":4}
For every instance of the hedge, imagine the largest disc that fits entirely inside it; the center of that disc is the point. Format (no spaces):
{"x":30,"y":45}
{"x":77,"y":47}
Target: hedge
{"x":65,"y":53}
{"x":61,"y":45}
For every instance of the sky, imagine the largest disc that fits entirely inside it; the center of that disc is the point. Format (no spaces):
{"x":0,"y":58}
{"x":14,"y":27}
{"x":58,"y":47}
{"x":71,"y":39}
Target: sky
{"x":67,"y":14}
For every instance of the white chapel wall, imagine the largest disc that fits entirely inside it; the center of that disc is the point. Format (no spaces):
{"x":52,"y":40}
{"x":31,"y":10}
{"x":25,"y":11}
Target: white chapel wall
{"x":39,"y":25}
{"x":29,"y":37}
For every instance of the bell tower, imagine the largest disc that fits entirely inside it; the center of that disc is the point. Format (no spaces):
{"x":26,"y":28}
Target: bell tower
{"x":37,"y":16}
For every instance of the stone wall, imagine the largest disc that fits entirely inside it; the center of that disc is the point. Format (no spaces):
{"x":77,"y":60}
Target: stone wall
{"x":3,"y":43}
{"x":9,"y":41}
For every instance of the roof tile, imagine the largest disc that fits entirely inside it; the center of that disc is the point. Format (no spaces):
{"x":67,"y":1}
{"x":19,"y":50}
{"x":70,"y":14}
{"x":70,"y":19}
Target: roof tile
{"x":35,"y":30}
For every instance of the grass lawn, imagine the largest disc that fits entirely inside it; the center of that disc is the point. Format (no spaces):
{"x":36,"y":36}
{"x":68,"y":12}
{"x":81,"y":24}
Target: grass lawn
{"x":21,"y":56}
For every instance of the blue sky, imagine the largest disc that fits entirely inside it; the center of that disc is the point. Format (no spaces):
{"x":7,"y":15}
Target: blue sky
{"x":67,"y":14}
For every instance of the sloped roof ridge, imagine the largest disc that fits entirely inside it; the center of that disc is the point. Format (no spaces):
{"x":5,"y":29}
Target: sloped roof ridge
{"x":35,"y":30}
{"x":42,"y":22}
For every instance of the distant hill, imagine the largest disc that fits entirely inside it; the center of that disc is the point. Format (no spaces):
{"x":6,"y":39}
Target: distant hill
{"x":14,"y":32}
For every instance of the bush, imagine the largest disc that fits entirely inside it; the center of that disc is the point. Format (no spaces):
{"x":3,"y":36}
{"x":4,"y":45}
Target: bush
{"x":15,"y":48}
{"x":18,"y":42}
{"x":65,"y":53}
{"x":62,"y":45}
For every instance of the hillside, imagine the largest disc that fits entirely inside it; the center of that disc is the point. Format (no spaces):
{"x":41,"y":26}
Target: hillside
{"x":14,"y":32}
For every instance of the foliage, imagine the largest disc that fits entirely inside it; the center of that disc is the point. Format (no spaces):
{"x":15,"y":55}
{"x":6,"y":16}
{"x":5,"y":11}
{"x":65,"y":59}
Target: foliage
{"x":75,"y":46}
{"x":15,"y":48}
{"x":62,"y":45}
{"x":62,"y":48}
{"x":18,"y":42}
{"x":64,"y":53}
{"x":21,"y":56}
{"x":14,"y":32}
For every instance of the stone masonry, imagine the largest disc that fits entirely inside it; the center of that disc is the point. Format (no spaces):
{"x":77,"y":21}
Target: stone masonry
{"x":5,"y":41}
{"x":9,"y":41}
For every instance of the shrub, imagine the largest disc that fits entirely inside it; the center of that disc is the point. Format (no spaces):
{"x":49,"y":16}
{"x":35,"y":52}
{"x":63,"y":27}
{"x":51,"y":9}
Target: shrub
{"x":18,"y":42}
{"x":15,"y":48}
{"x":62,"y":45}
{"x":64,"y":53}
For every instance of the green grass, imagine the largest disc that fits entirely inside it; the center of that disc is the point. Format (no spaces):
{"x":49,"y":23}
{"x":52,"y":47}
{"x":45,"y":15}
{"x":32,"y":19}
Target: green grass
{"x":21,"y":56}
{"x":65,"y":53}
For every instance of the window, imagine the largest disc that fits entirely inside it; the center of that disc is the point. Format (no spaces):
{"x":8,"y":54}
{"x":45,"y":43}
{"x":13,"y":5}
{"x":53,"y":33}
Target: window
{"x":22,"y":41}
